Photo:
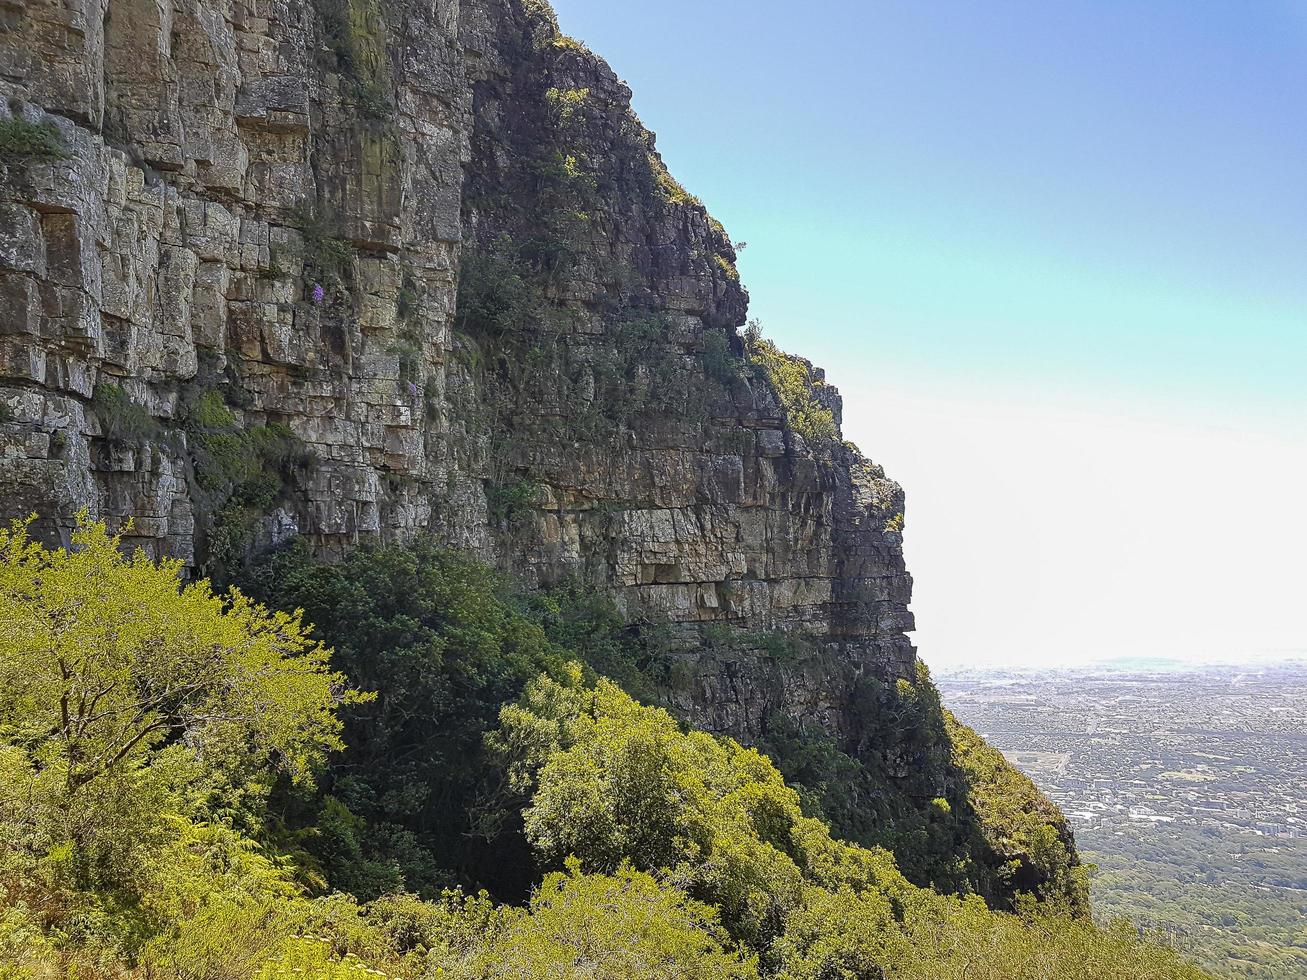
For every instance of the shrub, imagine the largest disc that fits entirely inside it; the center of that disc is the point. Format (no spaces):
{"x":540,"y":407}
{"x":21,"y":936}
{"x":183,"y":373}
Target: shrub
{"x":355,"y":34}
{"x":620,"y":785}
{"x":327,"y":260}
{"x":494,"y":293}
{"x":141,"y":721}
{"x":119,"y":682}
{"x":446,"y":643}
{"x":721,"y":363}
{"x":634,"y":927}
{"x":565,"y":103}
{"x":239,"y":472}
{"x":511,"y":504}
{"x":668,"y":187}
{"x":121,"y":419}
{"x":23,"y":141}
{"x":792,"y":380}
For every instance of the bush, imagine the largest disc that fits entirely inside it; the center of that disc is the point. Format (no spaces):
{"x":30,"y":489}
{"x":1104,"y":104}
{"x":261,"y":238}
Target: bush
{"x":624,"y":926}
{"x":792,"y":379}
{"x":667,"y":186}
{"x":495,"y":294}
{"x":446,"y":643}
{"x":239,"y":472}
{"x":510,"y":504}
{"x":141,"y":721}
{"x":328,"y":261}
{"x":721,"y":363}
{"x":620,"y":785}
{"x":122,"y":419}
{"x":22,"y":141}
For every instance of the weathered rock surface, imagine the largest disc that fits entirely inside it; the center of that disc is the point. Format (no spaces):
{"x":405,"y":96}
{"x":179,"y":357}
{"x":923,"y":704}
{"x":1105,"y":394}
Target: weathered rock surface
{"x":215,"y":151}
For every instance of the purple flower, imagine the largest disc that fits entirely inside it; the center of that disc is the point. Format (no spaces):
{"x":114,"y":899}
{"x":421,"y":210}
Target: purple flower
{"x":318,"y":293}
{"x":412,"y":390}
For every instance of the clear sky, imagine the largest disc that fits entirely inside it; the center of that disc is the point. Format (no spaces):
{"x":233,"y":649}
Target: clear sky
{"x":1055,"y":257}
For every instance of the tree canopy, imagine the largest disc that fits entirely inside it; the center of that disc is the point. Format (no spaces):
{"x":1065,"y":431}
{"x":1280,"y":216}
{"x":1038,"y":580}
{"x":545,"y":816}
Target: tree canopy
{"x":144,"y":721}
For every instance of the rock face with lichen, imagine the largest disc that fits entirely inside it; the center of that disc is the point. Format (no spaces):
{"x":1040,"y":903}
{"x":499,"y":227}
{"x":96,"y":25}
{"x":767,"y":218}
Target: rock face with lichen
{"x":361,"y":271}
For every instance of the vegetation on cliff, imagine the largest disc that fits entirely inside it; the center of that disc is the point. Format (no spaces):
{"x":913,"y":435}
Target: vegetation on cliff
{"x":795,"y":385}
{"x":22,"y":141}
{"x":156,"y":739}
{"x":445,"y":641}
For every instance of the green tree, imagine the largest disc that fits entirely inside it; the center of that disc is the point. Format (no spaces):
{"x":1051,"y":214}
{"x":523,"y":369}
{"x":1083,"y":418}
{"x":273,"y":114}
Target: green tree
{"x":624,"y":926}
{"x":445,"y":643}
{"x":120,"y":687}
{"x":616,"y":781}
{"x":618,"y":784}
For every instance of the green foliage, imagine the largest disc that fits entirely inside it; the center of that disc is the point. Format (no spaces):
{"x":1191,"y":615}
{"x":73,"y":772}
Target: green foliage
{"x":140,"y":722}
{"x":565,"y":192}
{"x":640,"y":372}
{"x":23,"y":142}
{"x":840,"y":934}
{"x":446,"y":640}
{"x":566,"y":103}
{"x":991,"y":832}
{"x":238,"y":472}
{"x":668,"y":186}
{"x":327,"y":260}
{"x":122,"y":419}
{"x":619,"y":785}
{"x":511,"y":504}
{"x":586,"y":623}
{"x":445,"y":643}
{"x":621,"y":782}
{"x":408,"y":299}
{"x":107,"y":662}
{"x":408,"y":351}
{"x":494,"y":292}
{"x":719,"y":360}
{"x":355,"y":32}
{"x":1018,"y":823}
{"x":794,"y":383}
{"x":135,"y":710}
{"x":565,"y":43}
{"x":624,"y":926}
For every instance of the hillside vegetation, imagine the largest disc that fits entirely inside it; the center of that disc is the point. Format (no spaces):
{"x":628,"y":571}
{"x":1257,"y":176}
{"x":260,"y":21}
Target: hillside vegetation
{"x":170,"y":806}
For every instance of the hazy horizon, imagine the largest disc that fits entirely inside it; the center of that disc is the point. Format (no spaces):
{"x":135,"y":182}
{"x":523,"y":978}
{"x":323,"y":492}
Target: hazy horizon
{"x":1056,"y":261}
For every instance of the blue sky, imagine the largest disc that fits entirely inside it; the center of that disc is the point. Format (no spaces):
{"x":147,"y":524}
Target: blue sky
{"x":1086,"y":211}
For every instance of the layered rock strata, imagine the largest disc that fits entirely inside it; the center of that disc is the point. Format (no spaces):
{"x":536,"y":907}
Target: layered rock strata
{"x":269,"y":200}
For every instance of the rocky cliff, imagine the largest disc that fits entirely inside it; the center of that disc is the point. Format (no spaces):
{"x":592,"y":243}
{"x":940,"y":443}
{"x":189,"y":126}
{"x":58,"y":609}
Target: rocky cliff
{"x":360,"y":271}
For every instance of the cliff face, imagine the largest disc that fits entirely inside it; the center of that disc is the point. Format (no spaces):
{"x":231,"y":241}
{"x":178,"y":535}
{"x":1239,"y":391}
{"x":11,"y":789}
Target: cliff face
{"x":220,"y":159}
{"x":362,"y":271}
{"x":268,"y":201}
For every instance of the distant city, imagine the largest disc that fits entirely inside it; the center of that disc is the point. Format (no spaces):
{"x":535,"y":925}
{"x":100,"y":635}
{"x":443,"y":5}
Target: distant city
{"x":1186,"y":786}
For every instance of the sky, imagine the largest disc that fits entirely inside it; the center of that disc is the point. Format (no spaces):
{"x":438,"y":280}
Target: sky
{"x":1054,"y":255}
